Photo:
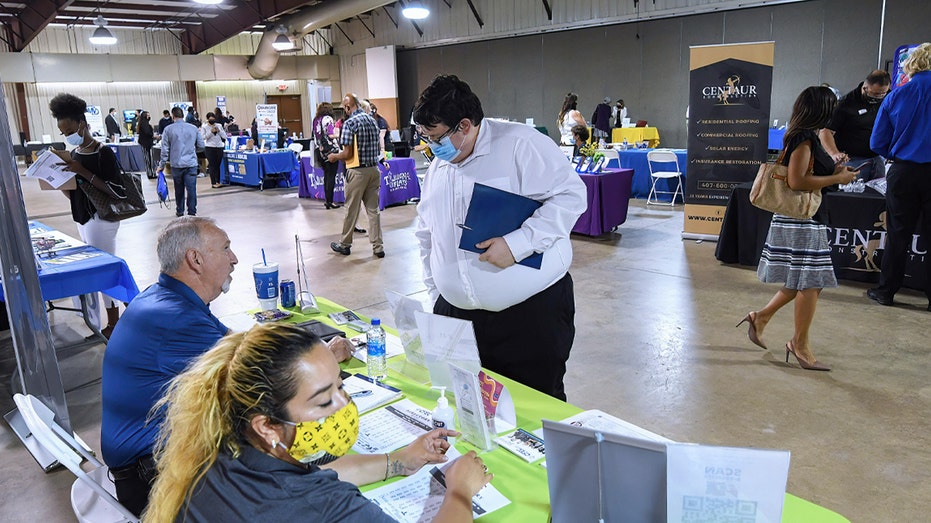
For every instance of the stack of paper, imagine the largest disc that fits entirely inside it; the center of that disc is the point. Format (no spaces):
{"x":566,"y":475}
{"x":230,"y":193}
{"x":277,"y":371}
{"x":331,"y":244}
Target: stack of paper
{"x":369,"y":394}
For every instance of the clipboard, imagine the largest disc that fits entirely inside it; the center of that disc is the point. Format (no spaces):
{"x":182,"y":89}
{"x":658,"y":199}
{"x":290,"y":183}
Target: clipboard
{"x":492,"y":213}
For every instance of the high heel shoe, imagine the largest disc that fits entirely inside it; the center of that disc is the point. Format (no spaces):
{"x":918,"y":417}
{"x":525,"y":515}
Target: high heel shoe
{"x":751,"y":330}
{"x":816,"y":365}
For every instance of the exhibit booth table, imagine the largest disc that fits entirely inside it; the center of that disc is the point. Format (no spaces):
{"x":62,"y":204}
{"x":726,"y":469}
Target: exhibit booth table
{"x":636,"y":159}
{"x":636,"y":135}
{"x":398,"y":185}
{"x":131,"y":156}
{"x":524,"y":484}
{"x":81,"y":270}
{"x":856,"y":231}
{"x":608,"y":198}
{"x":249,"y":168}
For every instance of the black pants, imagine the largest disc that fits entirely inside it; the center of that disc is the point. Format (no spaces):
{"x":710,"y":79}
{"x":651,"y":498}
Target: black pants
{"x":908,"y":197}
{"x":133,"y":484}
{"x":528,"y":342}
{"x":149,"y":163}
{"x":214,"y":161}
{"x":329,"y":175}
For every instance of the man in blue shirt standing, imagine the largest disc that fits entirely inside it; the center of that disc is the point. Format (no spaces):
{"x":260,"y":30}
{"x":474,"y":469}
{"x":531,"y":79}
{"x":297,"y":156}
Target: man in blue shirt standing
{"x":362,"y":182}
{"x":163,"y":329}
{"x":180,"y":143}
{"x":902,"y":133}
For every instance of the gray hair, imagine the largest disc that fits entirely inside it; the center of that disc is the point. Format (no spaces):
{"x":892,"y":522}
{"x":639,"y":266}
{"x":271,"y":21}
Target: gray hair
{"x":180,"y":235}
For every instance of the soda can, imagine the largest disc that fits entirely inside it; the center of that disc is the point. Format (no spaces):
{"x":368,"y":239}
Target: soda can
{"x":288,"y":294}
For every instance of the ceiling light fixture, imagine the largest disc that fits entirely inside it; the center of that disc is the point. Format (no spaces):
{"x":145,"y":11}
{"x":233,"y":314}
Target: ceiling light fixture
{"x":415,"y":11}
{"x":282,"y":42}
{"x":208,"y":2}
{"x":102,"y":35}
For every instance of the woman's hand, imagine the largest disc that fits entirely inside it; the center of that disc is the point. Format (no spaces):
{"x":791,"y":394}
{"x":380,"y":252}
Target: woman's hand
{"x":72,"y":165}
{"x":429,"y":448}
{"x":341,"y":348}
{"x":845,"y":174}
{"x":467,"y":475}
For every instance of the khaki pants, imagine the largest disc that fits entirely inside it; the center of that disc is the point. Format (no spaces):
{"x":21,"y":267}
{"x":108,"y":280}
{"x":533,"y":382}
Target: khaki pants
{"x":362,"y":185}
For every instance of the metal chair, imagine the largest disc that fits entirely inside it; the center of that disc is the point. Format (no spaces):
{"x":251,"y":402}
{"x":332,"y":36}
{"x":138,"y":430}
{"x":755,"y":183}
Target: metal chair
{"x":296,"y":147}
{"x":93,"y":498}
{"x":659,"y":172}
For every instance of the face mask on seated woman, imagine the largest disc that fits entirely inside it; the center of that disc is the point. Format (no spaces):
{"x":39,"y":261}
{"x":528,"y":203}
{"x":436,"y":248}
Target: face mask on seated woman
{"x":322,"y":441}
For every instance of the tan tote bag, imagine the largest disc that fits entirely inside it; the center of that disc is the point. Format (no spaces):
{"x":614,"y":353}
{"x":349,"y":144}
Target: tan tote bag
{"x":771,"y":191}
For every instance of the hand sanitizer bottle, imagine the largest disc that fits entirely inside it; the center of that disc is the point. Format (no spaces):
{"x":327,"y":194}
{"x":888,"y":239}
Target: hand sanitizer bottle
{"x":443,"y":415}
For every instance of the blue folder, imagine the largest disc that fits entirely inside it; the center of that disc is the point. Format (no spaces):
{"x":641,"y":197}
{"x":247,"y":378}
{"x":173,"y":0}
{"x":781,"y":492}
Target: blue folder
{"x":493,"y":213}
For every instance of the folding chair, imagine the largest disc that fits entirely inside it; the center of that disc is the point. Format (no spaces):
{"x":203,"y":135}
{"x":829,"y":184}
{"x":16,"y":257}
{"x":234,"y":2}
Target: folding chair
{"x":663,"y":157}
{"x":92,"y":493}
{"x":611,"y":155}
{"x":567,"y":150}
{"x":296,"y":147}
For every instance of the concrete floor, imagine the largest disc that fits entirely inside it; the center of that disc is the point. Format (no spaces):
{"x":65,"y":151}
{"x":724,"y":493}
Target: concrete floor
{"x":655,"y":345}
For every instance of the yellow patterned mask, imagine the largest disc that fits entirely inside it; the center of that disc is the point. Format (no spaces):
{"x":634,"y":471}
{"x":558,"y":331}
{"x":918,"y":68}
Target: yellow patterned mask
{"x":324,"y":440}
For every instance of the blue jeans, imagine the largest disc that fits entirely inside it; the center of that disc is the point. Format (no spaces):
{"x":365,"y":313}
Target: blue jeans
{"x":185,"y":178}
{"x":875,"y":169}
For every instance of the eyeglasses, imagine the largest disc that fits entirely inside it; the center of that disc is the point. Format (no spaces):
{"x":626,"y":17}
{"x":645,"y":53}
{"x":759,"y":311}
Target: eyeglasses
{"x":430,"y":141}
{"x":871,"y":94}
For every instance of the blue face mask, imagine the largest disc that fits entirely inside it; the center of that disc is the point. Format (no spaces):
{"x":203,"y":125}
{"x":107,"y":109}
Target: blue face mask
{"x":445,"y":150}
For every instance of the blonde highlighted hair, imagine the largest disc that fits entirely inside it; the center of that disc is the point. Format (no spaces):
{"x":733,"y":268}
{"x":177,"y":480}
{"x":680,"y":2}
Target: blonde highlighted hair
{"x":918,"y":60}
{"x":209,"y":407}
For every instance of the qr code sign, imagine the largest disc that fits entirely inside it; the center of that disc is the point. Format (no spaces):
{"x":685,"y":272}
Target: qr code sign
{"x":698,"y":509}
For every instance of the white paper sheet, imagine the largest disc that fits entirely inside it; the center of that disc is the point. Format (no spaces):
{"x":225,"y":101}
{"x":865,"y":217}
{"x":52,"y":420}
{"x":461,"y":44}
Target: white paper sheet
{"x":404,"y":310}
{"x":447,"y":340}
{"x":392,"y":427}
{"x":50,"y":168}
{"x":369,"y":394}
{"x":393,"y":347}
{"x":239,"y":322}
{"x":725,"y":484}
{"x":418,"y":497}
{"x":598,"y":420}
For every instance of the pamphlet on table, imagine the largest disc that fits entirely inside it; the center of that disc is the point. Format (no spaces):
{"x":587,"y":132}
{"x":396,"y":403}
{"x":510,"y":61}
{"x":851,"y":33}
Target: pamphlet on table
{"x":473,"y":423}
{"x":369,"y":394}
{"x":419,"y":496}
{"x":392,"y":427}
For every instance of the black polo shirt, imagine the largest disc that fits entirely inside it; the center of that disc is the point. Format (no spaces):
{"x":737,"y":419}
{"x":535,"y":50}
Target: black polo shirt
{"x":258,"y":487}
{"x":852,"y":123}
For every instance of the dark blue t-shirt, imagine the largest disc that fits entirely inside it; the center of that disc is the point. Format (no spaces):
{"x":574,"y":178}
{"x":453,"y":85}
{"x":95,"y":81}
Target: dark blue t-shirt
{"x":163,"y":329}
{"x":259,"y":487}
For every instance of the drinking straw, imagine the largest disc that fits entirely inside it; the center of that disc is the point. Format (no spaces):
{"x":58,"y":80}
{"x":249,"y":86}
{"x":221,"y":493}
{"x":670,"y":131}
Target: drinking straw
{"x":263,"y":258}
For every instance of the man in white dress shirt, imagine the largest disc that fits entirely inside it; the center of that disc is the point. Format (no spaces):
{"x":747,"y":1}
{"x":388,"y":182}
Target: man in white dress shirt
{"x":523,"y":317}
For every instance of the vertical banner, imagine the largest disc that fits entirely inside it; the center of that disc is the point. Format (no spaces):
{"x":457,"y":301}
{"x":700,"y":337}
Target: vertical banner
{"x":729,"y":99}
{"x":266,"y":118}
{"x":221,"y":103}
{"x":95,"y":120}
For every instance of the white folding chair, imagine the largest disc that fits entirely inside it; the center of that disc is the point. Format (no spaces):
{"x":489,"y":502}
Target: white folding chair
{"x":611,"y":154}
{"x":665,"y":157}
{"x":93,"y":496}
{"x":296,"y":147}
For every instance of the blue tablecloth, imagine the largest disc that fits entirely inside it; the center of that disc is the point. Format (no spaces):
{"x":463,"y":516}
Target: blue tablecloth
{"x":105,"y":273}
{"x":252,"y":168}
{"x":399,"y":182}
{"x":775,"y":139}
{"x":130,"y":156}
{"x":636,"y":159}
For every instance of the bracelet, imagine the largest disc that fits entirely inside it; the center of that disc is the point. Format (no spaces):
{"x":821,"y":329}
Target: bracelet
{"x":387,"y":460}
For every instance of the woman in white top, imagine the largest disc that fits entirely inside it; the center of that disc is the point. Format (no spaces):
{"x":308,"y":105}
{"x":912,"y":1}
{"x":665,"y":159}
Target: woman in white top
{"x":214,"y":142}
{"x":569,"y":116}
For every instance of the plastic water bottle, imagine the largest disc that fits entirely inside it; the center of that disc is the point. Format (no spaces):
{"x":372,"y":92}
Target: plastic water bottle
{"x":375,"y":348}
{"x":625,"y":144}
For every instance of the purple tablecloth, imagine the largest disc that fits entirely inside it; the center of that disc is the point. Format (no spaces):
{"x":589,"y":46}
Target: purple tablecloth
{"x":608,"y":198}
{"x":398,"y":183}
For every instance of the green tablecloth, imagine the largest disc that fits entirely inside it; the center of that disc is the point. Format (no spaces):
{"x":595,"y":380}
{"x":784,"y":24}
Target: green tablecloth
{"x":521,"y":482}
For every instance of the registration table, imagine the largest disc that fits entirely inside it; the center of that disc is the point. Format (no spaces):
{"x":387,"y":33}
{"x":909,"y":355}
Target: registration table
{"x":525,"y":484}
{"x":636,"y":159}
{"x":101,"y":272}
{"x":636,"y":135}
{"x":608,"y":199}
{"x":131,"y":156}
{"x":856,"y":232}
{"x":399,"y":183}
{"x":249,"y":168}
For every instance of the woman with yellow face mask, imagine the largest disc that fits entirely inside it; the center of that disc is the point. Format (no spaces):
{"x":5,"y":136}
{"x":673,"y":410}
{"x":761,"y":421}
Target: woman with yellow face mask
{"x":257,"y":430}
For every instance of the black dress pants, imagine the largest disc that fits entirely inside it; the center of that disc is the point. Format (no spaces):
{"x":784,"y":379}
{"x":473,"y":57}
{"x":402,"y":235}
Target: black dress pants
{"x":908,"y":199}
{"x":528,"y":342}
{"x":329,"y":175}
{"x":214,"y":161}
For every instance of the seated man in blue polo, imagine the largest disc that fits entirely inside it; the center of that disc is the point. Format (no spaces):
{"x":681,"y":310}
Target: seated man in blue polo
{"x":163,"y":329}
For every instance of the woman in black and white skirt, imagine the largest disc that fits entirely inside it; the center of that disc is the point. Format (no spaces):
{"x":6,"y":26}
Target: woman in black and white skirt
{"x":797,"y":253}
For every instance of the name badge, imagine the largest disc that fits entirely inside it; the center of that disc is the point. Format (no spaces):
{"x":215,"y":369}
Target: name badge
{"x":861,"y":112}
